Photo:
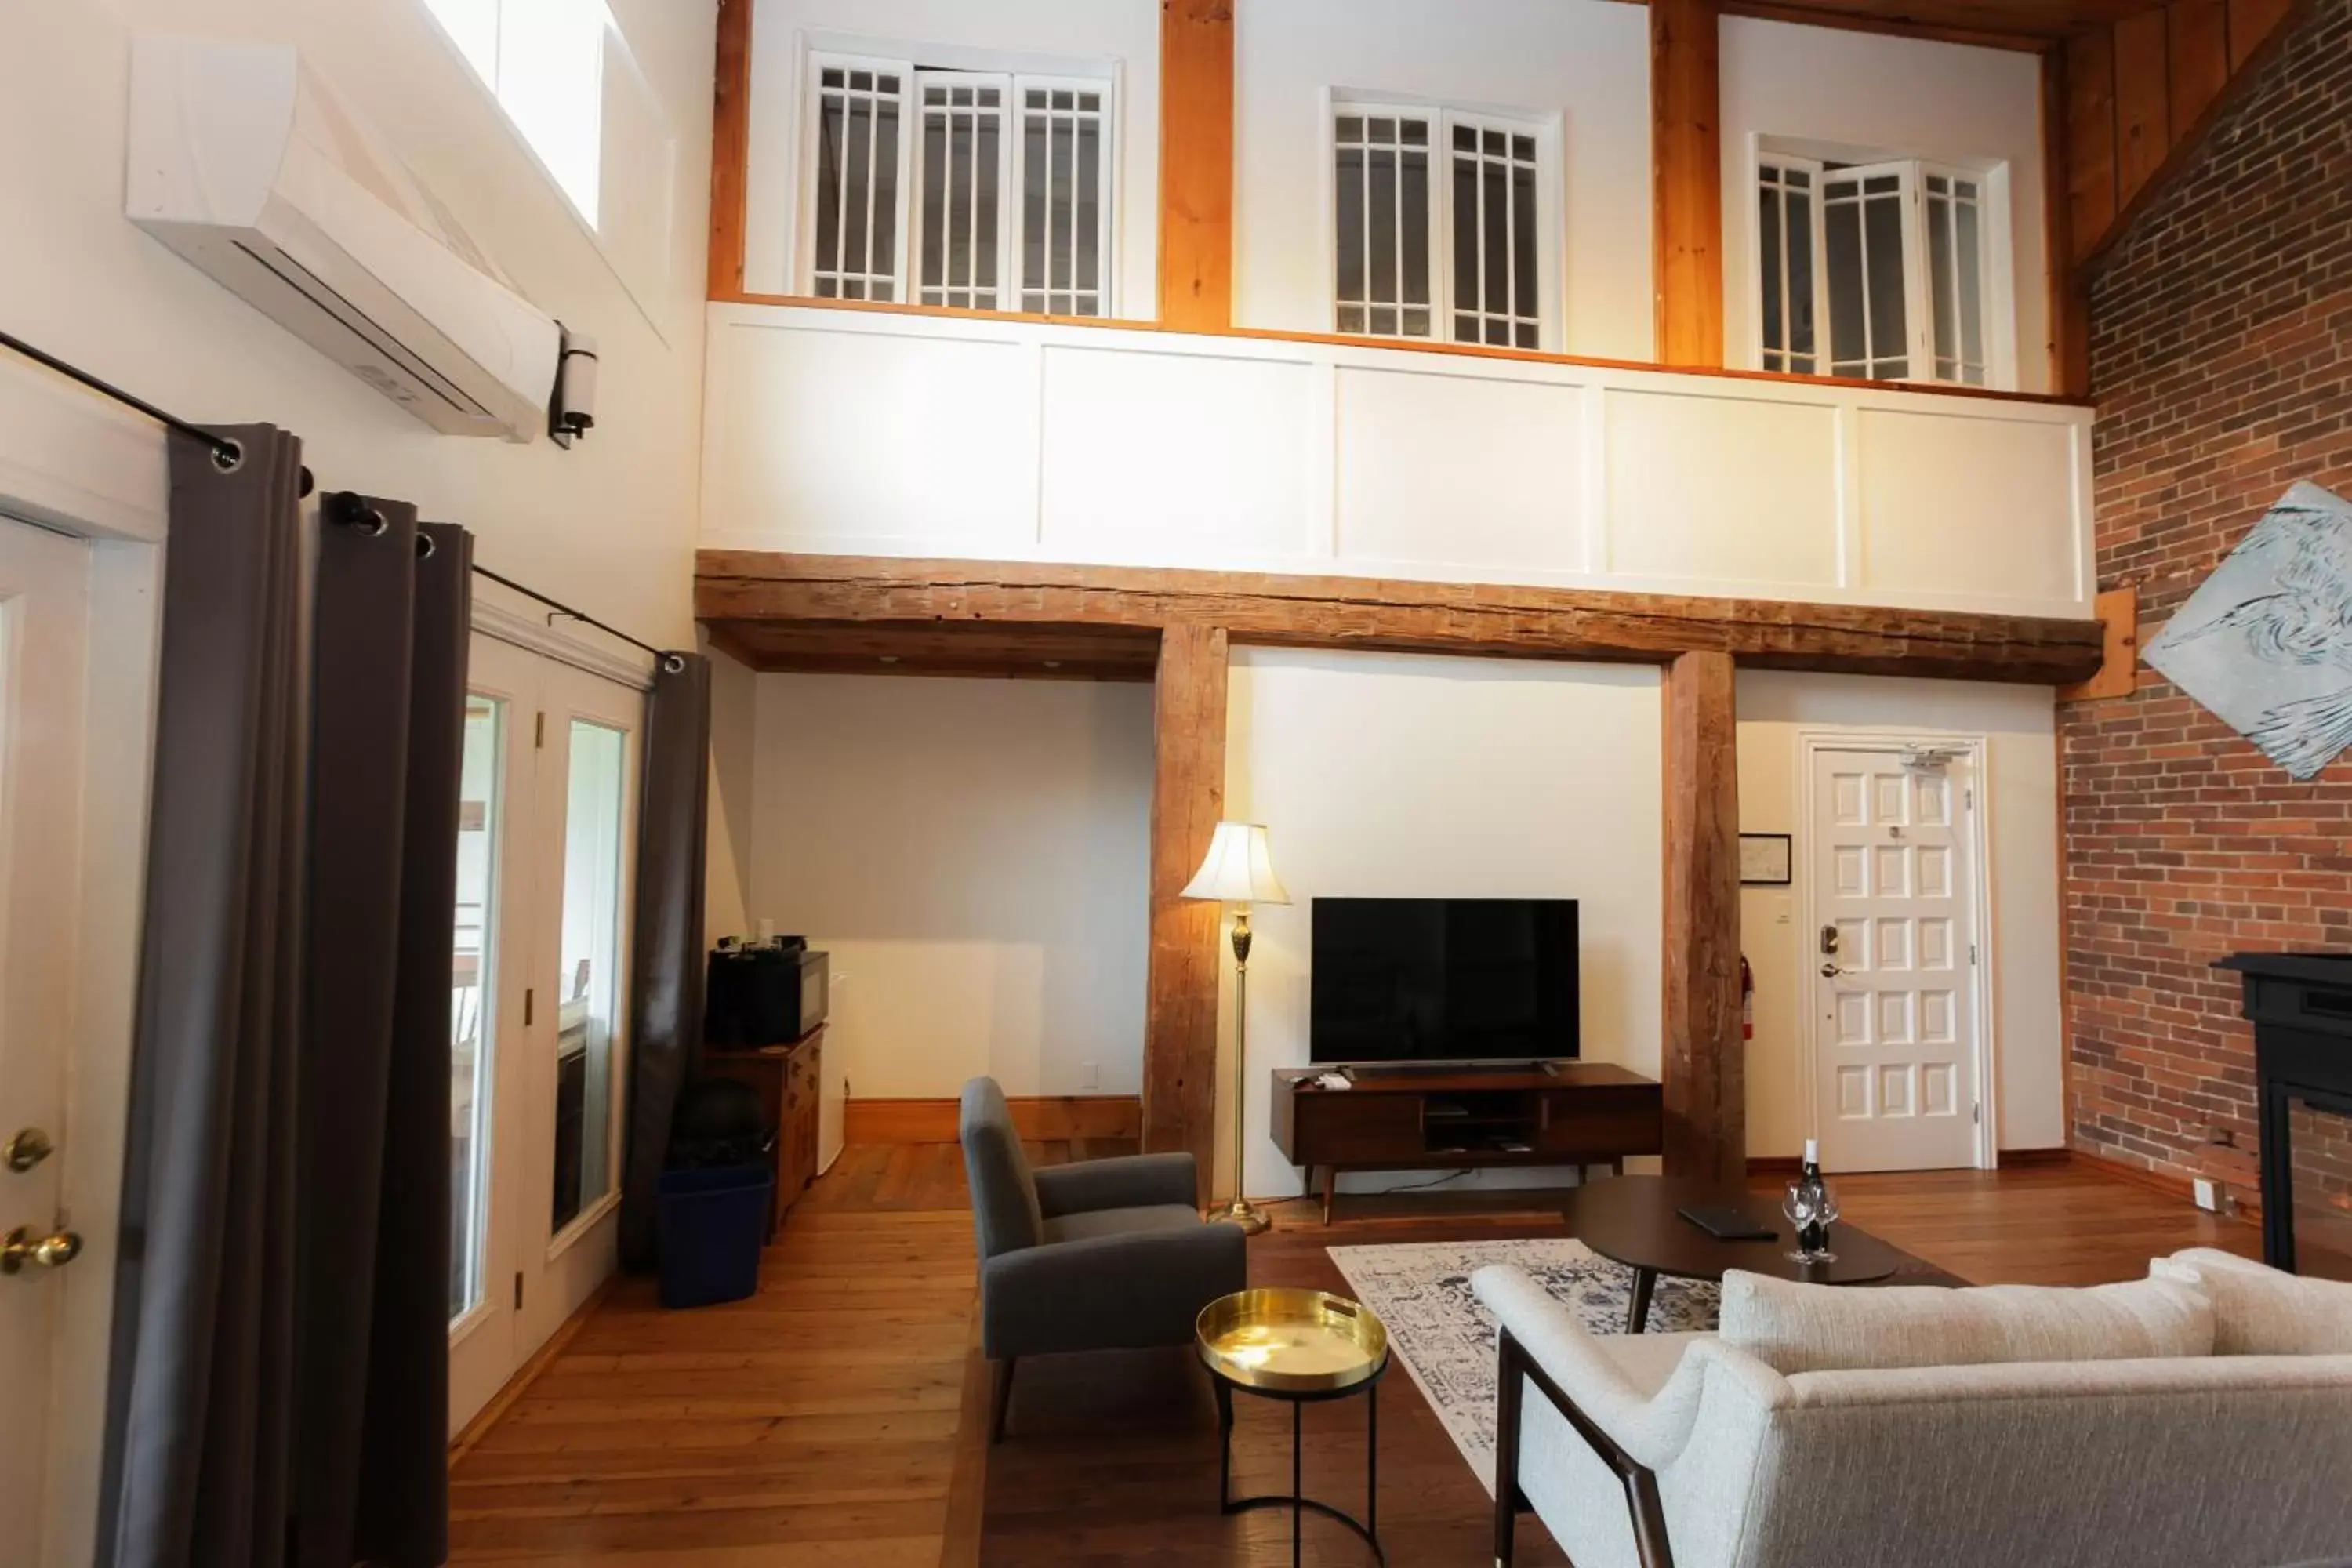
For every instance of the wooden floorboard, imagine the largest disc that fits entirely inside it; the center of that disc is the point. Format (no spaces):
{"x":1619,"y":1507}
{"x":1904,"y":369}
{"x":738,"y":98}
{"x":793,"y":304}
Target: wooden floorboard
{"x":831,"y":1421}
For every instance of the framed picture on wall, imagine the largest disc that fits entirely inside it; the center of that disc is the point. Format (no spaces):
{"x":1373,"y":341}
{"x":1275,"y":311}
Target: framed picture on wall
{"x":1764,"y":859}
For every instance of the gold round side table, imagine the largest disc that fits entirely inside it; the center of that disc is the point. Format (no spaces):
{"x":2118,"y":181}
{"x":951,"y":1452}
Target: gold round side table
{"x":1303,"y":1347}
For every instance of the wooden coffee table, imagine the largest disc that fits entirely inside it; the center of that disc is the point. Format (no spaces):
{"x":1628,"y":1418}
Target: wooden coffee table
{"x":1635,"y":1221}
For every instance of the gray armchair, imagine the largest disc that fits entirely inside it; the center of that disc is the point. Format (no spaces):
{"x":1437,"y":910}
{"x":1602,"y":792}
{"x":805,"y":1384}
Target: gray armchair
{"x":1102,"y":1254}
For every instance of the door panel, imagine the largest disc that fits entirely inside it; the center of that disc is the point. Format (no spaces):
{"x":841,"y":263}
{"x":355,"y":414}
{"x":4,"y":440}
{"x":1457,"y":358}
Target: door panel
{"x":490,"y":970}
{"x":1894,"y":1041}
{"x":44,"y":654}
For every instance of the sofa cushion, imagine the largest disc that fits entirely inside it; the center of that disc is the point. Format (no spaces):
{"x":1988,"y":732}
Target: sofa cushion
{"x":1121,"y":1221}
{"x":1823,"y":1328}
{"x":2259,"y":1311}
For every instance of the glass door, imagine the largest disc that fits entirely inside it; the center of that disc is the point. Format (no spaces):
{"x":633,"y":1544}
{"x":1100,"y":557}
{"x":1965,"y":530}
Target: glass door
{"x":491,"y":939}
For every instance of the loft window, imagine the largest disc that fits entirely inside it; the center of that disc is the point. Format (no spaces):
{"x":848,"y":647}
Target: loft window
{"x":1874,"y":271}
{"x":543,"y":60}
{"x":1437,"y":222}
{"x":975,"y":190}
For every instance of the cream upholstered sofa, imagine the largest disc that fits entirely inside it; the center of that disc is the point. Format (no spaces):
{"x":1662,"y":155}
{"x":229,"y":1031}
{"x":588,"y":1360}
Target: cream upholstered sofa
{"x":2201,"y":1417}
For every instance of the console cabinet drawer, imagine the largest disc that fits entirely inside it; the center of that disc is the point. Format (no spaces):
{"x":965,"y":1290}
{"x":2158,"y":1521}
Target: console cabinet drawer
{"x":1345,"y":1127}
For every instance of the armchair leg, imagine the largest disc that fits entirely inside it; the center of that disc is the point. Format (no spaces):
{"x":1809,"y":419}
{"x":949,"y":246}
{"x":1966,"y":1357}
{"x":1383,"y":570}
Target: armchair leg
{"x":1508,"y":1394}
{"x":1000,"y":1398}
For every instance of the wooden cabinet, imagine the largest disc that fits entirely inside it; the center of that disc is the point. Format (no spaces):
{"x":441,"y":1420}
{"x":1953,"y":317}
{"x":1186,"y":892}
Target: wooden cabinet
{"x":1405,"y":1118}
{"x":787,"y":1077}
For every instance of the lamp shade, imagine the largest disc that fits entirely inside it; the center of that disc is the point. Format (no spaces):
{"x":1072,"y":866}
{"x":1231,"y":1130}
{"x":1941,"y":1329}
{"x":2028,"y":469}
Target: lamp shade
{"x":1238,"y":868}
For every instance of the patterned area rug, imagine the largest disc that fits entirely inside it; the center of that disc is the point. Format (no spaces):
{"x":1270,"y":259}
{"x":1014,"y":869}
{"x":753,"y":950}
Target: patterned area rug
{"x":1445,"y":1339}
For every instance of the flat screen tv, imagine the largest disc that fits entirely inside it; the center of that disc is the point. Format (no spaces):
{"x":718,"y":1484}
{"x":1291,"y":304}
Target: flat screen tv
{"x":1418,"y":980}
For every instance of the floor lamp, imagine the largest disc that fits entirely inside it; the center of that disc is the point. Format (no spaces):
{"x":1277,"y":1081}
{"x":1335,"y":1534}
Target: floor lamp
{"x":1239,"y":870}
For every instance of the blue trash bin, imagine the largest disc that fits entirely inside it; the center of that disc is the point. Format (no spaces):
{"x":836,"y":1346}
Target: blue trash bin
{"x":711,"y":1225}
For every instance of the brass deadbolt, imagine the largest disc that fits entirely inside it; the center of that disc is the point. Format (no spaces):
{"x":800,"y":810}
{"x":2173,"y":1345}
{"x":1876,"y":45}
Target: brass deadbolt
{"x":27,"y":1149}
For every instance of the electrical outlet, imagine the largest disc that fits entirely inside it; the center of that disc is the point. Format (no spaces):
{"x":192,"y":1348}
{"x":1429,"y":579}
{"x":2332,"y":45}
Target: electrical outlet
{"x":2209,"y":1194}
{"x":1089,"y":1075}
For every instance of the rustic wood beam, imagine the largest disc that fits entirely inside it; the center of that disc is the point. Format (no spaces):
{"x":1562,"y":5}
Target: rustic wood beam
{"x":1188,"y":796}
{"x":1196,"y":164}
{"x":1687,"y":171}
{"x":1362,"y":613}
{"x":1703,"y":1065}
{"x":2069,"y":347}
{"x":730,"y":149}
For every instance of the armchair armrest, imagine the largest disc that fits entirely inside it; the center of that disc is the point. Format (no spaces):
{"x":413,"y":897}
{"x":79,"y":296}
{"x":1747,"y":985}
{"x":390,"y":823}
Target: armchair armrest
{"x":1126,"y":1182}
{"x":1651,"y":1429}
{"x":1108,"y":1292}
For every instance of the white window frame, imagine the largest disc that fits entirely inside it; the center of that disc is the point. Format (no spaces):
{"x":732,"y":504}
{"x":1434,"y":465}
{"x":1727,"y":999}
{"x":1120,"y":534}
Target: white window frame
{"x":1442,"y":118}
{"x":1996,"y":283}
{"x":905,"y":276}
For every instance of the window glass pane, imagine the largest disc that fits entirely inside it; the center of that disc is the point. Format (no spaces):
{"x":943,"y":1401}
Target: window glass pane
{"x":988,"y":151}
{"x":885,"y":261}
{"x":1089,"y":209}
{"x":1413,"y":214}
{"x":959,"y":202}
{"x":472,"y":983}
{"x":934,"y":150}
{"x":832,"y":127}
{"x":1889,"y":330}
{"x":1942,"y":285}
{"x":1800,"y":280}
{"x":1849,"y":341}
{"x":587,"y":985}
{"x":860,"y":163}
{"x":1063,"y":142}
{"x":1033,"y":201}
{"x":1768,"y":217}
{"x":1349,"y":211}
{"x":1972,"y":332}
{"x":1466,"y":273}
{"x":1383,"y":200}
{"x":1524,"y":281}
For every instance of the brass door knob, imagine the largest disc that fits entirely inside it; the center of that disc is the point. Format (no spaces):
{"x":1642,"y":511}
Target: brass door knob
{"x":21,"y":1248}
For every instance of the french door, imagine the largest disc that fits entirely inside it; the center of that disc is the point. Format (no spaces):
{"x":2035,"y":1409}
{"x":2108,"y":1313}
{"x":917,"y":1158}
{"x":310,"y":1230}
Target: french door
{"x":1894,"y":898}
{"x":546,"y":849}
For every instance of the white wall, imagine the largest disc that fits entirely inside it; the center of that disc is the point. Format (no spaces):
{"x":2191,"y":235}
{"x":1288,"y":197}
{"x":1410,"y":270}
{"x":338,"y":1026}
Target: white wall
{"x":2021,"y":805}
{"x":1394,"y":775}
{"x":1868,"y":92}
{"x":1585,"y":60}
{"x":609,"y":526}
{"x":734,"y":722}
{"x":974,"y":854}
{"x":1026,"y":35}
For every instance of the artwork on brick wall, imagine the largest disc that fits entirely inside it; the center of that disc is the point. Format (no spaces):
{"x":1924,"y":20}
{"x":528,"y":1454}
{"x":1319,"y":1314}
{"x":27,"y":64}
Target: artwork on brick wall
{"x":2266,"y":641}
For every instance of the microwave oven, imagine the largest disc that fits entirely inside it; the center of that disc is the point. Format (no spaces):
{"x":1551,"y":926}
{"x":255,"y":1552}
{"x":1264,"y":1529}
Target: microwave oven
{"x":758,"y":996}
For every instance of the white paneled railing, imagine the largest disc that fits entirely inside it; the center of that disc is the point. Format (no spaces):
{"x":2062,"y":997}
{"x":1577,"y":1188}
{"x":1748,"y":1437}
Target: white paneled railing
{"x":840,"y":432}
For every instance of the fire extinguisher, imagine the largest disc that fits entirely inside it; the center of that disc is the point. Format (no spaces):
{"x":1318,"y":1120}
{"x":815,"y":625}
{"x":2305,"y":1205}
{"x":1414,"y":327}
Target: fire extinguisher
{"x":1747,"y":1000}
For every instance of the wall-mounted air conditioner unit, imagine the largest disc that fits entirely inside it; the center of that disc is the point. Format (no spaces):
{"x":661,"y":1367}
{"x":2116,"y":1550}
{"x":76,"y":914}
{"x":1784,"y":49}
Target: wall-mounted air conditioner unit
{"x":247,"y":164}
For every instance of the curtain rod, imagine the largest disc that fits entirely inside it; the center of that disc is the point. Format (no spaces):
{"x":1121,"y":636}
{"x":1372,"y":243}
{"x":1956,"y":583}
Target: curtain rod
{"x":228,"y":454}
{"x":225,"y":452}
{"x":670,"y":662}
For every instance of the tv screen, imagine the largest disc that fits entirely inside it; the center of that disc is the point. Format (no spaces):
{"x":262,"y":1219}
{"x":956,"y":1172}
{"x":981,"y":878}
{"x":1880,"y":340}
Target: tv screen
{"x":1410,"y":980}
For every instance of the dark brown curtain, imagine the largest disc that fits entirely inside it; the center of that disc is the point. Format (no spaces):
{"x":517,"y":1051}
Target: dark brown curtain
{"x":200,"y":1393}
{"x":665,"y":1009}
{"x":276,"y":1396}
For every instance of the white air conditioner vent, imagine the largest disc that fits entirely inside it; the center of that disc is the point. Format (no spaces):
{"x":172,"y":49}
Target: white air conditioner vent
{"x":246,"y":163}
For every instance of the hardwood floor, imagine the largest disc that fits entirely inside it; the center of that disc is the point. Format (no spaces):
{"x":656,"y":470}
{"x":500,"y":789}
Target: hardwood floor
{"x":834,"y":1419}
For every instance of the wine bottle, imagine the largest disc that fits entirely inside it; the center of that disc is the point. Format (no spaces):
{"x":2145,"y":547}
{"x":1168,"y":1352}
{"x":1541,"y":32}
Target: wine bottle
{"x":1813,"y":1235}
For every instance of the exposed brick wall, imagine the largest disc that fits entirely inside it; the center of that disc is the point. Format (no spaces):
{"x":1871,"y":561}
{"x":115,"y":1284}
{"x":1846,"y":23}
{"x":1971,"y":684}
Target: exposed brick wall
{"x":2222,"y":360}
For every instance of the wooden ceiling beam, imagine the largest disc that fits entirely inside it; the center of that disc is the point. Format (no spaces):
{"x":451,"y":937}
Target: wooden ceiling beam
{"x":1435,"y":617}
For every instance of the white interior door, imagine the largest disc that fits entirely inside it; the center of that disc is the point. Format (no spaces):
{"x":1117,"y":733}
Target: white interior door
{"x":1893,"y":898}
{"x":44,"y":659}
{"x":546,"y":851}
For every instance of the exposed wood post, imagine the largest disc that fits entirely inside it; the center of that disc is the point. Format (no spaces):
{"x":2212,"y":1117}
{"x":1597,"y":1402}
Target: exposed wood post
{"x":1188,"y":796}
{"x":1703,"y":1067}
{"x":2069,"y":302}
{"x":1196,"y":164}
{"x":1686,"y":167}
{"x":730,"y":149}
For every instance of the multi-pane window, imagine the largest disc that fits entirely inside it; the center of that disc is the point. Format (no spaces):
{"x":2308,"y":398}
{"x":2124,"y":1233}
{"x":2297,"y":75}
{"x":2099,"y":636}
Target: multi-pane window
{"x":1874,"y":271}
{"x":997,"y":198}
{"x":1436,"y":222}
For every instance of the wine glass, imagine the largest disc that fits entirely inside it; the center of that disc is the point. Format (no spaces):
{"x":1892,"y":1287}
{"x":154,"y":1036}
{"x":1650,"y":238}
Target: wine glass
{"x":1807,"y":1203}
